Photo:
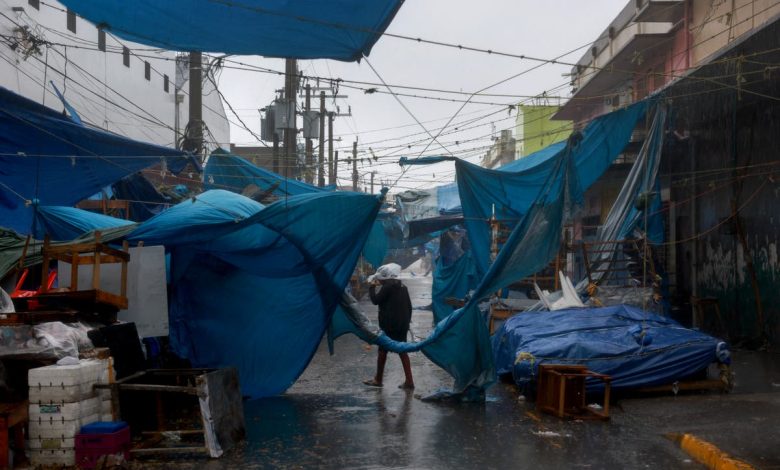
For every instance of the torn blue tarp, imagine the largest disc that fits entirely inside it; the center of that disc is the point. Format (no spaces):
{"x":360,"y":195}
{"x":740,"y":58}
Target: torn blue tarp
{"x":636,"y":348}
{"x":68,"y":223}
{"x":454,"y":280}
{"x":47,"y":159}
{"x":253,"y":286}
{"x":425,"y":211}
{"x":460,"y":343}
{"x":509,"y":194}
{"x":300,"y":29}
{"x":233,"y":173}
{"x":144,"y":199}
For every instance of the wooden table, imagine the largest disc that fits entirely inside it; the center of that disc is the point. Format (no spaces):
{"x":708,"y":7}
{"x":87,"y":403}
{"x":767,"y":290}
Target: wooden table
{"x":13,"y":417}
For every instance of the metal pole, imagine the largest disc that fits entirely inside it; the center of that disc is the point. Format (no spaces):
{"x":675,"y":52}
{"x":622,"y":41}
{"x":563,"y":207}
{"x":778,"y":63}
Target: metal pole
{"x":372,"y":182}
{"x":276,"y":154}
{"x":336,"y":167}
{"x":309,"y":148}
{"x":331,"y":176}
{"x":321,"y":172}
{"x":354,"y":167}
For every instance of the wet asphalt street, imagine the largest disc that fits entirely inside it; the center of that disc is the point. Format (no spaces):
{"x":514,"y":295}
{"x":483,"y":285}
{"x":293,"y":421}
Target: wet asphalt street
{"x":329,"y":419}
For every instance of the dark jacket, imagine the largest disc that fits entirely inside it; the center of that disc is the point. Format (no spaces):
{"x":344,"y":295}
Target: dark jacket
{"x":395,"y":308}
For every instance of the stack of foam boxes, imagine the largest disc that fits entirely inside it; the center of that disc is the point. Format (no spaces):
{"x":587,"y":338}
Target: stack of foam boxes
{"x":62,"y":400}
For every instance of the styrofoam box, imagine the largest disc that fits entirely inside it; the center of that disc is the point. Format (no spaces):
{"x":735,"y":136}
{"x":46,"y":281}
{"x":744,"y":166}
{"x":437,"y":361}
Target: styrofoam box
{"x":45,"y":434}
{"x":67,"y":384}
{"x":39,"y":457}
{"x":64,"y":411}
{"x":52,"y":443}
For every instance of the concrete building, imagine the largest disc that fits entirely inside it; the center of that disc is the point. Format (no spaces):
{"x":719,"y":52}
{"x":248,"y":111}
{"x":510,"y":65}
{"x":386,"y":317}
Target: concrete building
{"x":501,"y":152}
{"x":714,"y":64}
{"x":113,"y":84}
{"x":535,"y":129}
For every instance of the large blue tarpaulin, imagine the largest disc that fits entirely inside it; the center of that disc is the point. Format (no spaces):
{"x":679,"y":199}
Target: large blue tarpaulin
{"x":251,"y":286}
{"x":69,"y":223}
{"x":47,"y":159}
{"x":233,"y":173}
{"x":301,"y":29}
{"x":533,"y":203}
{"x":636,"y":348}
{"x":509,"y":194}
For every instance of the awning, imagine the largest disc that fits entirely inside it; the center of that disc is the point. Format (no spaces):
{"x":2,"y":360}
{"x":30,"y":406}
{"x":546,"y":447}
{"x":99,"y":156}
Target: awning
{"x":302,"y":29}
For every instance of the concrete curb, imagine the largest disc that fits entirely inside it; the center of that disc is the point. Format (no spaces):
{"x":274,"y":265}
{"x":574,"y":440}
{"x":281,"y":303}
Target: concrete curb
{"x":708,"y":454}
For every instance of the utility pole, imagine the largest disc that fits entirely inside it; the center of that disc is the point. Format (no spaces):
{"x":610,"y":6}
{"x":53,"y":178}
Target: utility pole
{"x":309,"y":146}
{"x":331,"y":175}
{"x":194,"y":140}
{"x":372,"y":181}
{"x":354,"y":167}
{"x":276,"y":153}
{"x":321,"y":172}
{"x":336,"y":167}
{"x":290,"y":131}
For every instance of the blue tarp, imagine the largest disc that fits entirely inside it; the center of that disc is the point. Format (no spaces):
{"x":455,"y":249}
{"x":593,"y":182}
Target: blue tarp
{"x":511,"y":193}
{"x":68,"y":223}
{"x":301,"y":29}
{"x":533,"y":203}
{"x":254,"y":286}
{"x":47,"y":159}
{"x":233,"y":173}
{"x":451,"y":280}
{"x":145,"y":200}
{"x":636,"y":348}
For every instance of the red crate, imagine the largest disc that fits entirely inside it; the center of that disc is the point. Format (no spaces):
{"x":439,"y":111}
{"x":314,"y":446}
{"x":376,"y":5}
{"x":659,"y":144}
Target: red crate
{"x":90,"y":447}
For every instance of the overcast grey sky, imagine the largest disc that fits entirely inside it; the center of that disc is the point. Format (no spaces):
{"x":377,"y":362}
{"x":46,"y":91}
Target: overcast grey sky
{"x":544,"y":29}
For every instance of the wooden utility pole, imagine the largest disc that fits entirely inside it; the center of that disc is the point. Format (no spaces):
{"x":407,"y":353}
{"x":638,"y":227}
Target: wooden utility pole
{"x":321,"y":164}
{"x":331,"y":175}
{"x":194,"y":139}
{"x":354,"y":167}
{"x":309,"y":147}
{"x":291,"y":130}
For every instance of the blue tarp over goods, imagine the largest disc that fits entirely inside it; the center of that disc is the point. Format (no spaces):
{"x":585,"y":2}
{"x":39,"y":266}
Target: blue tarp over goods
{"x":636,"y":348}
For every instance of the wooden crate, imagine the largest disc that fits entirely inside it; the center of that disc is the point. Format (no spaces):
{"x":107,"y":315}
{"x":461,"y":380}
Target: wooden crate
{"x":561,"y":392}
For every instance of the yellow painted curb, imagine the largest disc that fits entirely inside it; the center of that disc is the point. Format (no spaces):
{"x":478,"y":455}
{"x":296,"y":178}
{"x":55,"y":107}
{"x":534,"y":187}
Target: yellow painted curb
{"x":708,"y":454}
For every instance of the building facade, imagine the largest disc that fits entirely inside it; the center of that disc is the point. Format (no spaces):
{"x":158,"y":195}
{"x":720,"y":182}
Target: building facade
{"x":535,"y":128}
{"x":714,"y":64}
{"x":116,"y":85}
{"x":501,"y":152}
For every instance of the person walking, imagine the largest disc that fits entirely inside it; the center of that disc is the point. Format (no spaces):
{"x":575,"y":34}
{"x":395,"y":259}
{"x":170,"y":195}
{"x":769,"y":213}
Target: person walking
{"x":395,"y":314}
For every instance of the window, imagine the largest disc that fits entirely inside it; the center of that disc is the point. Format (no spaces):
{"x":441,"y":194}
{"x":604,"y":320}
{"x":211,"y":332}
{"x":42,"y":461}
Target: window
{"x":147,"y":71}
{"x":71,"y":21}
{"x":165,"y":83}
{"x":102,"y":40}
{"x":35,"y":4}
{"x":126,"y":56}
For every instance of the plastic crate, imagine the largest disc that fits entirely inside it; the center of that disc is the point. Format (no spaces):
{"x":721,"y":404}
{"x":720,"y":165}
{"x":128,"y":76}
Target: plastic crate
{"x":90,"y":447}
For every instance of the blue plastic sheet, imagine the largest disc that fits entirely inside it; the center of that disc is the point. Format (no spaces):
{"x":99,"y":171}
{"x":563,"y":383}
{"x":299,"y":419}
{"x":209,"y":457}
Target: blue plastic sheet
{"x":451,"y":280}
{"x":254,"y":286}
{"x":233,"y":173}
{"x":510,"y":194}
{"x":47,"y":159}
{"x":68,"y":223}
{"x":302,"y":29}
{"x":145,"y":200}
{"x":636,"y":348}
